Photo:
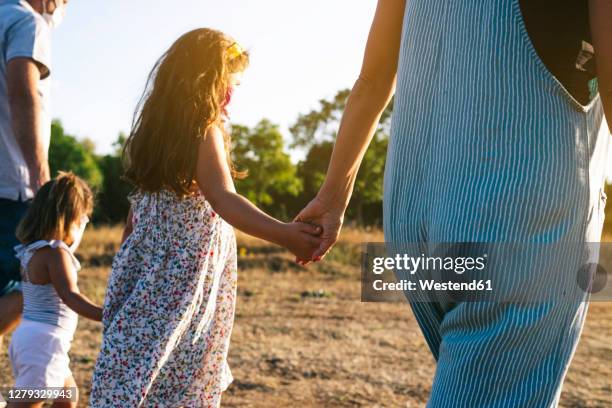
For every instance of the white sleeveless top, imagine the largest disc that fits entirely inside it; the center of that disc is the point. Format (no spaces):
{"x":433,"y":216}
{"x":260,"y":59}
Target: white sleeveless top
{"x":41,"y":303}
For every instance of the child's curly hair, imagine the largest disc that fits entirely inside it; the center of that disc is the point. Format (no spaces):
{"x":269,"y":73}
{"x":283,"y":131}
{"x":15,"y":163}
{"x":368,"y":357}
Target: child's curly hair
{"x":184,"y":95}
{"x":58,"y":204}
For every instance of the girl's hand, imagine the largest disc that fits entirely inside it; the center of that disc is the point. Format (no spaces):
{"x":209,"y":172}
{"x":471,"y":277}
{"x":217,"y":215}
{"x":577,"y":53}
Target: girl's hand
{"x":329,"y":217}
{"x":301,"y":239}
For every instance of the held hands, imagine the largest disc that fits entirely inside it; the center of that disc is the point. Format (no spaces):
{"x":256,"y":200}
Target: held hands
{"x":330,"y":218}
{"x":302,"y":239}
{"x":313,"y":231}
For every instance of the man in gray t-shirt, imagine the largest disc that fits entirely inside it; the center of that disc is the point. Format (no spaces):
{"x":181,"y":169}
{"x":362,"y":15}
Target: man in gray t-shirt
{"x":25,"y":127}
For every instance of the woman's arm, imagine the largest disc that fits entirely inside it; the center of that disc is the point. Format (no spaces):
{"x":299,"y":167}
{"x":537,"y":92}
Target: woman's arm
{"x":214,"y":179}
{"x":601,"y":31}
{"x":368,"y":99}
{"x":63,"y":278}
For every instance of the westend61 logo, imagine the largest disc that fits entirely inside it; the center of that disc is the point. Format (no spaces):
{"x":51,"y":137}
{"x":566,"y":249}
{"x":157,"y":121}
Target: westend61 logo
{"x":498,"y":272}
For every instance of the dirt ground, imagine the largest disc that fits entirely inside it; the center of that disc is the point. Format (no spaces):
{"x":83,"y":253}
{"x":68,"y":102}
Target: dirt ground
{"x":302,"y":337}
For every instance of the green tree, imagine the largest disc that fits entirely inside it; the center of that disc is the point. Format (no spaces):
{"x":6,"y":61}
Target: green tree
{"x":321,"y":124}
{"x":313,"y":168}
{"x":113,"y":205}
{"x":66,"y":153}
{"x":366,"y":206}
{"x":271,"y":174}
{"x":316,"y":132}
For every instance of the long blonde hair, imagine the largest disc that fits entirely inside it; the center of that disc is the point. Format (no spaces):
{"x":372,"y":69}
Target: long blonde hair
{"x":184,"y":95}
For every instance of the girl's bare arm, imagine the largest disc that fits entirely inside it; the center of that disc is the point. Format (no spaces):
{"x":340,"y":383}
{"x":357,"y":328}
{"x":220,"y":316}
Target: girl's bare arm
{"x":214,"y":179}
{"x":63,"y":278}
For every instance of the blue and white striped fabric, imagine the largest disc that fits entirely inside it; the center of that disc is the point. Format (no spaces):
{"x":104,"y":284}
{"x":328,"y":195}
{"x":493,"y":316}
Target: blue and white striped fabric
{"x":488,"y":146}
{"x":41,"y":303}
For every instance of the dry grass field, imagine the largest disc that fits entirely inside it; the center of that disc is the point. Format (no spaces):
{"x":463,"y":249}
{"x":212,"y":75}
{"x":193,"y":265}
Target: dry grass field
{"x":302,"y":338}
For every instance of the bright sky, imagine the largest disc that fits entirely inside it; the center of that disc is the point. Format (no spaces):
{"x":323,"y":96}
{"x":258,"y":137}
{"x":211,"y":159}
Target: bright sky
{"x":301,"y":51}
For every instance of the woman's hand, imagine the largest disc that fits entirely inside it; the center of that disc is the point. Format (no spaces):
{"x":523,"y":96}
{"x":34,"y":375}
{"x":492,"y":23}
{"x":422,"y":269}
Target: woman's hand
{"x":329,"y":217}
{"x":302,"y":239}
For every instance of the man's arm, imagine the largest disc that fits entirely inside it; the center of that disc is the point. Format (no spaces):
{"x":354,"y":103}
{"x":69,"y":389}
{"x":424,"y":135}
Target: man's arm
{"x":601,"y":31}
{"x":23,"y":75}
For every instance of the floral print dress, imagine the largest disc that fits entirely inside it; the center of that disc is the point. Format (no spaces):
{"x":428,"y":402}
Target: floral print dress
{"x":169,"y":308}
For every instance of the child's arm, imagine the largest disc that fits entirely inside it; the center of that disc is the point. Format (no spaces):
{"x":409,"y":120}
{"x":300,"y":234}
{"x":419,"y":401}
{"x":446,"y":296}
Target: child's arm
{"x":129,"y":227}
{"x":63,"y":278}
{"x":215,"y":181}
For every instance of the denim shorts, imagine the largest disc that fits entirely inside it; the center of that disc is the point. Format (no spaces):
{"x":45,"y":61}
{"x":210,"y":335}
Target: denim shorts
{"x":11,"y":213}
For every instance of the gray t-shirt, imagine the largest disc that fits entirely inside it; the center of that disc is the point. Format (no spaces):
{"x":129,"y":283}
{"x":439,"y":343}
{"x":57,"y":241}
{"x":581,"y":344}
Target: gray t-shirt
{"x":23,"y":33}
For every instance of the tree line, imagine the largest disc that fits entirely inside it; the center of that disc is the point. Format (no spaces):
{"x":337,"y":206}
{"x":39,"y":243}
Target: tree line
{"x":274,"y":183}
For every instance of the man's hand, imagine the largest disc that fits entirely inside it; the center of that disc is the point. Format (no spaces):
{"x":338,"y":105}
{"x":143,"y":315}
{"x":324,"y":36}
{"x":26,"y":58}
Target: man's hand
{"x":22,"y":76}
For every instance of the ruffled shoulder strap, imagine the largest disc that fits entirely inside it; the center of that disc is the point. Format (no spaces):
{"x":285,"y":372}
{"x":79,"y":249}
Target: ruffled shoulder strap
{"x":25,"y":252}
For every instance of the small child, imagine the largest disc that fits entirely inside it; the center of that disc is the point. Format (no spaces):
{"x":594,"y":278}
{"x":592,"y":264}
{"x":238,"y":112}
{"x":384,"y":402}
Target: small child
{"x":50,"y":232}
{"x":170,"y":301}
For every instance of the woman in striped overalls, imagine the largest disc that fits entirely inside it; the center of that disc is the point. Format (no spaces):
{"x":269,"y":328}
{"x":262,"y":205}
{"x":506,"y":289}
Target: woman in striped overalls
{"x":486,"y":145}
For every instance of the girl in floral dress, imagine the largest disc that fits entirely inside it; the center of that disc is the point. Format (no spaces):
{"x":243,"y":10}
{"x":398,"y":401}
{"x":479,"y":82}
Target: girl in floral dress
{"x":169,"y":306}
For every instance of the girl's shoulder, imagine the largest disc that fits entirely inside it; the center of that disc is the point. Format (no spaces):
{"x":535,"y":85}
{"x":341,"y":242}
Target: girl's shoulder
{"x":45,"y":254}
{"x":215,"y":132}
